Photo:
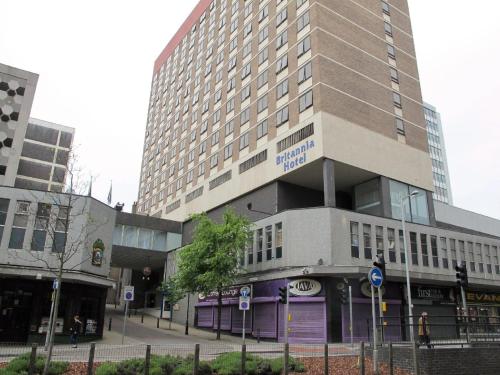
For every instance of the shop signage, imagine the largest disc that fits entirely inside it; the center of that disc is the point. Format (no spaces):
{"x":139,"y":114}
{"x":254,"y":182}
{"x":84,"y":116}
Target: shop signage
{"x":433,"y":294}
{"x":305,"y":287}
{"x":483,"y":297}
{"x":295,"y":157}
{"x":231,"y":292}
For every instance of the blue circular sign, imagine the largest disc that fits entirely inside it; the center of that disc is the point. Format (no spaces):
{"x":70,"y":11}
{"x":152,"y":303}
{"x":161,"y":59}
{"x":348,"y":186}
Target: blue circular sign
{"x":128,"y":295}
{"x":244,"y":305}
{"x":375,"y":277}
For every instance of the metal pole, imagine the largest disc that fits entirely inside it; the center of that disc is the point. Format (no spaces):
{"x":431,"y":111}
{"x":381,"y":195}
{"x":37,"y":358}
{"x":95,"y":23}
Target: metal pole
{"x":350,"y":315}
{"x":186,"y":329}
{"x":466,"y":312}
{"x":408,"y":287}
{"x":90,"y":363}
{"x":381,"y":314}
{"x":244,"y":323}
{"x":124,"y":322}
{"x":49,"y":328}
{"x":286,"y":311}
{"x":374,"y":322}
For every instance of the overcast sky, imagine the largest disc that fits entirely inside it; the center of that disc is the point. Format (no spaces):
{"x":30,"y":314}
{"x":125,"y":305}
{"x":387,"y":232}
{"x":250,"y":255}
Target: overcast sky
{"x":95,"y":61}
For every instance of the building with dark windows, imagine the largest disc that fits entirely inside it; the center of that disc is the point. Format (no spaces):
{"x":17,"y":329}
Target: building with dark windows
{"x":307,"y":117}
{"x":437,"y":151}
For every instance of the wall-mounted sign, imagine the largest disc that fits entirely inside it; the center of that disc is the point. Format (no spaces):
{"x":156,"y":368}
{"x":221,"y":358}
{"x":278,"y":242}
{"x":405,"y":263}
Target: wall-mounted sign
{"x":433,"y":294}
{"x":231,"y":292}
{"x":305,"y":287}
{"x":97,"y":252}
{"x":483,"y":297}
{"x":291,"y":159}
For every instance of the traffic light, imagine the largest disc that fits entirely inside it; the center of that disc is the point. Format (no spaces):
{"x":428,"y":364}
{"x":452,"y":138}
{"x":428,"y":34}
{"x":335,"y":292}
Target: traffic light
{"x":344,"y":295}
{"x":462,"y":278}
{"x":380,"y":263}
{"x":283,"y":295}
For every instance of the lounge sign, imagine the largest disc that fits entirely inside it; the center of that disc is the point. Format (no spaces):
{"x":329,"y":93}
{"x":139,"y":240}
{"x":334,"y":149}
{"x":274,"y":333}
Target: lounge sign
{"x":305,"y":287}
{"x":483,"y":297}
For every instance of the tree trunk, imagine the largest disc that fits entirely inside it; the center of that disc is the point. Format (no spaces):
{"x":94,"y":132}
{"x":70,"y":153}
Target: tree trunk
{"x":53,"y":322}
{"x":171,"y":317}
{"x":219,"y":312}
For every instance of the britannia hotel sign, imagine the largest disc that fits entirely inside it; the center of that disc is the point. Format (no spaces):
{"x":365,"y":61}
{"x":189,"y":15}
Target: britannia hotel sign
{"x":293,"y":158}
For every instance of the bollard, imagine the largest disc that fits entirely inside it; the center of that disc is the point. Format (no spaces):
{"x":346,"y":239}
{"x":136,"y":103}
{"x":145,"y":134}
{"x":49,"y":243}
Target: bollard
{"x":326,"y":359}
{"x":243,"y":358}
{"x":142,"y":318}
{"x":362,"y":358}
{"x":391,"y":360}
{"x":147,"y":362}
{"x":196,"y":364}
{"x":31,"y":366}
{"x":90,"y":364}
{"x":157,"y":322}
{"x":109,"y":324}
{"x":285,"y":359}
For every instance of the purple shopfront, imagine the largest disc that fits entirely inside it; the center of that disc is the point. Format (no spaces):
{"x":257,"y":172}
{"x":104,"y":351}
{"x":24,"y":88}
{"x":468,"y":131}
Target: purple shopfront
{"x":266,"y":316}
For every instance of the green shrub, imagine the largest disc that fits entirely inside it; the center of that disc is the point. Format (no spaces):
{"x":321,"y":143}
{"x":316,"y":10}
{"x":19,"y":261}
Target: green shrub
{"x":107,"y":368}
{"x":19,"y":366}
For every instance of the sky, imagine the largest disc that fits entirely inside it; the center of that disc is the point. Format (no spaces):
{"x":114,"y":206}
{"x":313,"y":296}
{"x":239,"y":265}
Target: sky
{"x":95,"y":61}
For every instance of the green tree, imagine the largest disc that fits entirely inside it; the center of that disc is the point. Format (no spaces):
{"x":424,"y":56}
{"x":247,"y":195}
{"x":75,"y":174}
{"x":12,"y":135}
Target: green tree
{"x":172,"y":294}
{"x":211,"y":262}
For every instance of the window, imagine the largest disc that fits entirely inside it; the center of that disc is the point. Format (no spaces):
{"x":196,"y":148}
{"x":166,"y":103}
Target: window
{"x":281,"y":17}
{"x":244,"y":140}
{"x":232,"y":63}
{"x":303,"y":46}
{"x":231,"y":83}
{"x":248,"y":10}
{"x":461,"y":249}
{"x":19,"y":226}
{"x":203,"y":147}
{"x":4,"y":207}
{"x":278,"y":227}
{"x":391,"y":238}
{"x":269,"y":242}
{"x":470,"y":248}
{"x":453,"y":252}
{"x":425,"y":251}
{"x":191,"y":156}
{"x":247,"y":30}
{"x":434,"y":251}
{"x":391,"y":51}
{"x":230,"y":105}
{"x":302,"y":21}
{"x":487,"y":256}
{"x":204,"y":127}
{"x":189,"y":177}
{"x":281,"y":116}
{"x":262,"y":103}
{"x":214,"y":160}
{"x":413,"y":248}
{"x":201,"y":169}
{"x":394,"y":75}
{"x":216,"y":117}
{"x":262,"y":79}
{"x":354,"y":240}
{"x":263,"y":13}
{"x":479,"y":258}
{"x":396,"y":98}
{"x":245,"y":93}
{"x":250,"y":249}
{"x":262,"y":129}
{"x":263,"y":55}
{"x":215,"y":138}
{"x":281,"y":63}
{"x":379,"y":240}
{"x":245,"y":116}
{"x":228,"y":151}
{"x":259,"y":245}
{"x":400,"y":126}
{"x":305,"y":101}
{"x":281,"y":39}
{"x":444,"y":252}
{"x":494,"y":250}
{"x":305,"y":72}
{"x":229,"y":128}
{"x":41,"y":226}
{"x":385,"y":8}
{"x":282,"y":89}
{"x":388,"y":28}
{"x":263,"y":34}
{"x":62,"y":224}
{"x":245,"y":71}
{"x":367,"y":240}
{"x":218,"y":96}
{"x":247,"y":49}
{"x":402,"y":251}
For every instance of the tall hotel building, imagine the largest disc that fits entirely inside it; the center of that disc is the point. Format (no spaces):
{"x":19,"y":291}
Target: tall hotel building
{"x":307,"y":116}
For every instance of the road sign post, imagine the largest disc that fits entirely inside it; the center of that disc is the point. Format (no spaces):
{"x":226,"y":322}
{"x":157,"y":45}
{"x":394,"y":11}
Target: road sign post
{"x":128,"y":295}
{"x":244,"y":305}
{"x":376,"y":278}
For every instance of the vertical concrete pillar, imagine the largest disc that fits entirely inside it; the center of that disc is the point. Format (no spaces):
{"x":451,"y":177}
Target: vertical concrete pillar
{"x":329,"y":182}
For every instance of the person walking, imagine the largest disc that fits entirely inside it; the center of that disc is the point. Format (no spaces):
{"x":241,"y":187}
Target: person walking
{"x":424,"y":330}
{"x":75,"y":329}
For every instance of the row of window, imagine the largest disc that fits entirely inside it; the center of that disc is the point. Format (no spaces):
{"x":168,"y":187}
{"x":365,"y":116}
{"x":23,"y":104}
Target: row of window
{"x":434,"y":251}
{"x":261,"y":247}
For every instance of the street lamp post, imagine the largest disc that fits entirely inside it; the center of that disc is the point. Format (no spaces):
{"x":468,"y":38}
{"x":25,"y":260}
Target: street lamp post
{"x":407,"y":261}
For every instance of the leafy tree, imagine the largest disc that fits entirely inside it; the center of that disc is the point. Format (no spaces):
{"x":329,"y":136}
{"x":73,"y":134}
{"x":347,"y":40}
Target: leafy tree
{"x":211,"y":262}
{"x":172,"y":294}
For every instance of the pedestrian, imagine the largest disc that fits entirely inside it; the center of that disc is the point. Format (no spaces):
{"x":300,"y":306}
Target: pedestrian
{"x":424,"y":330}
{"x":75,"y":330}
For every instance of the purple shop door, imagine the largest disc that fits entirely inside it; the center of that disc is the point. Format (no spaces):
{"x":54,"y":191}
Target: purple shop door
{"x":237,"y":324}
{"x":308,"y":323}
{"x":225,"y":321}
{"x":205,"y":316}
{"x":264,"y":320}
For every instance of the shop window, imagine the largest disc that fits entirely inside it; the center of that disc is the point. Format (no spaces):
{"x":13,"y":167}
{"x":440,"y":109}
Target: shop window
{"x":391,"y":238}
{"x":367,"y":240}
{"x":354,"y":240}
{"x":413,"y":248}
{"x":425,"y":251}
{"x":278,"y":240}
{"x":434,"y":251}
